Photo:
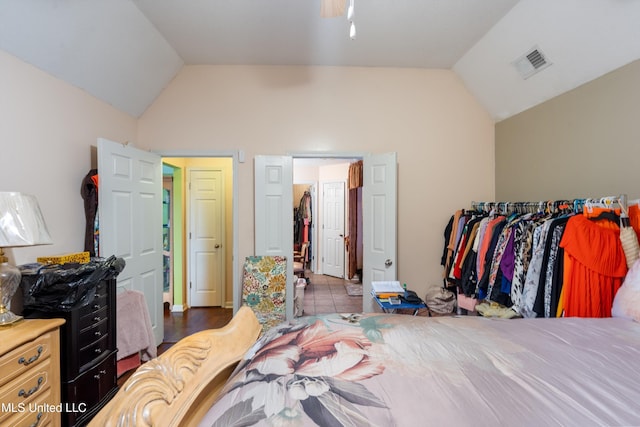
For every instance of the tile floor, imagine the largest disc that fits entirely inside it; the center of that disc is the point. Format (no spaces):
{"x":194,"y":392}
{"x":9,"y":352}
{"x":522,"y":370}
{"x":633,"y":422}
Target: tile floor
{"x":326,"y":294}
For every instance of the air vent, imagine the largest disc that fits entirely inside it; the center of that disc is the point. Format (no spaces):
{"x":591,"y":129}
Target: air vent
{"x":531,"y":63}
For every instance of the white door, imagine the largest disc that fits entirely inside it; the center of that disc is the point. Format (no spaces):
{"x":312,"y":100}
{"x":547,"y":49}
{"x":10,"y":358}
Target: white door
{"x":206,"y":235}
{"x":379,"y":204}
{"x":273,"y":213}
{"x":130,"y":217}
{"x":333,"y":229}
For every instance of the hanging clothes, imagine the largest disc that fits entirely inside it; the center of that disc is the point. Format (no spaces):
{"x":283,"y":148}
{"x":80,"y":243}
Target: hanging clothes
{"x":302,"y":222}
{"x":594,"y":267}
{"x":89,"y":193}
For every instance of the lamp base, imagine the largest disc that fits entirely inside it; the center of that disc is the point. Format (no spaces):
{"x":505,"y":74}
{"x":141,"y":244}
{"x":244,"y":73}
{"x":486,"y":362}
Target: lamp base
{"x":9,"y":282}
{"x":7,"y":317}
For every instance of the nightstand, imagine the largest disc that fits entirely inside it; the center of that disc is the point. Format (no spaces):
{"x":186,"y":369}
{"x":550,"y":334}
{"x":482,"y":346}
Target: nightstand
{"x":30,"y":373}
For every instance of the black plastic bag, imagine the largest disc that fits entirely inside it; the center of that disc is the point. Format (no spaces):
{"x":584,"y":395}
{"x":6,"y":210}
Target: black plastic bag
{"x":65,"y":287}
{"x":411,"y":297}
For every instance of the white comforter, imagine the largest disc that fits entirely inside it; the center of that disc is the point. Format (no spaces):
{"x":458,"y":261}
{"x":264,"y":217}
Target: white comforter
{"x":397,"y":370}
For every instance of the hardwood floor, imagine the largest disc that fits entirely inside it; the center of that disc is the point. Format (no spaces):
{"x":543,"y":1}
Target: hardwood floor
{"x":179,"y":325}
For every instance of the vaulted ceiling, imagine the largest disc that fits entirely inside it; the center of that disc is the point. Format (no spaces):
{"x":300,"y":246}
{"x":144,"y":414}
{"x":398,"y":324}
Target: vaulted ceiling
{"x":126,"y":51}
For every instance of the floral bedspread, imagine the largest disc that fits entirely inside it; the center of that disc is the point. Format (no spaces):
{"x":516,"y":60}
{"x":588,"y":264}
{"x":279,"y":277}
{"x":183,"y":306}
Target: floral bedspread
{"x":397,"y":370}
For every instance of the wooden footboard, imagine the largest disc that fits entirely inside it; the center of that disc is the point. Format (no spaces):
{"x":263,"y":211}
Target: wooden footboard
{"x":179,"y":386}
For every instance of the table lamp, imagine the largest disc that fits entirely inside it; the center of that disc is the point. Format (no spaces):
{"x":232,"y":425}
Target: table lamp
{"x":21,"y":224}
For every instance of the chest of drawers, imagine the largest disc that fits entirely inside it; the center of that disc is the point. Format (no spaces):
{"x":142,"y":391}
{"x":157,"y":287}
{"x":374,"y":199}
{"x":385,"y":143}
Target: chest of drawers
{"x":88,"y":347}
{"x":30,"y":373}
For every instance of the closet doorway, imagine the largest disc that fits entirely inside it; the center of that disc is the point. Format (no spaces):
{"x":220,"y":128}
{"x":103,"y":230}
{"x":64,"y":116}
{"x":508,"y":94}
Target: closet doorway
{"x":326,"y":179}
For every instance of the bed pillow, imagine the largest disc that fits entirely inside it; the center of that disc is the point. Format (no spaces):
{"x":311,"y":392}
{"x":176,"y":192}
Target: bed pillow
{"x":626,"y":303}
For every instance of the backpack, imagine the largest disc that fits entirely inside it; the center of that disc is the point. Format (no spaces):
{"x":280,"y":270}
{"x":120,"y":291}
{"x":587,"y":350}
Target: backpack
{"x":441,"y":301}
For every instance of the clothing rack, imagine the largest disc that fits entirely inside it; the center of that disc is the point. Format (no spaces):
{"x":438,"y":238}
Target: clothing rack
{"x":553,"y":206}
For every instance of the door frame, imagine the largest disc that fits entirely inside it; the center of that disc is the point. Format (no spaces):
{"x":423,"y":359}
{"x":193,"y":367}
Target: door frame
{"x":367,"y":305}
{"x":167,"y":184}
{"x":235,"y":155}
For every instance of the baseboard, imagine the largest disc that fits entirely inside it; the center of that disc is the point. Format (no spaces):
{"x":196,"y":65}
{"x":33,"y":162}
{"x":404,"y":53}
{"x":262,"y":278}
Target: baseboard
{"x":177,"y":308}
{"x":228,"y":304}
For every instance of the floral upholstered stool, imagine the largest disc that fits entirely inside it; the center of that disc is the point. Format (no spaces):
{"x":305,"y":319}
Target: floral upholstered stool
{"x":264,"y":284}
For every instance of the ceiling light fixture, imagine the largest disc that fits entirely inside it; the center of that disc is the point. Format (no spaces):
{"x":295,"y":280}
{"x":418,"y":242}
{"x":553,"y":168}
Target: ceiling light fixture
{"x":352,"y":26}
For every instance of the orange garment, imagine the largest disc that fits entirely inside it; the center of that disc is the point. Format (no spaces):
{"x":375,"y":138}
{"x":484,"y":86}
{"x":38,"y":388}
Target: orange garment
{"x":594,"y":267}
{"x":486,"y":242}
{"x":594,"y":212}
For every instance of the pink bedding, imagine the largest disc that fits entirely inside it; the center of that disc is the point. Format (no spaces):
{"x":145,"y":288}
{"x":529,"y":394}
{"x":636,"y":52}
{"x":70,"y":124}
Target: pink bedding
{"x":398,"y":370}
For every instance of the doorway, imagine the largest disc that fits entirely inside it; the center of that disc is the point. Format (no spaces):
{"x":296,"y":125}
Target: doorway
{"x":167,"y":238}
{"x":203,"y":231}
{"x":331,"y":213}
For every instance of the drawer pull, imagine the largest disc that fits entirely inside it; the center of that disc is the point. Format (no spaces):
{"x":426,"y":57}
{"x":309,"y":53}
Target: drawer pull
{"x":97,"y":318}
{"x":98,"y":375}
{"x":32,"y":390}
{"x":98,"y":350}
{"x":29,"y":361}
{"x":38,"y":418}
{"x":97,"y":333}
{"x":96,"y":306}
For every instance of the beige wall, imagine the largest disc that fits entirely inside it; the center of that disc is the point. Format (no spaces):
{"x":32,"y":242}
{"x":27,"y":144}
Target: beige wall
{"x":443,"y":137}
{"x":47,"y":130}
{"x":585,"y":143}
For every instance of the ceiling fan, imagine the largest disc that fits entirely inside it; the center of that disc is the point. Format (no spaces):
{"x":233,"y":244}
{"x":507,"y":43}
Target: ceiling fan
{"x":335,"y":8}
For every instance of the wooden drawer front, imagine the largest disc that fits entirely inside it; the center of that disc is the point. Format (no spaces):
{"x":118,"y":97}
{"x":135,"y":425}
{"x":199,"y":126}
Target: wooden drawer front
{"x":93,"y":351}
{"x":40,"y":412}
{"x":27,"y":388}
{"x":93,"y":318}
{"x":24,"y":357}
{"x":93,"y":333}
{"x":99,"y":301}
{"x":92,"y":385}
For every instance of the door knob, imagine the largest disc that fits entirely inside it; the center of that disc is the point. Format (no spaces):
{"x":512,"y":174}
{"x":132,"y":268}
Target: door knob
{"x":388,"y":263}
{"x":217,"y":246}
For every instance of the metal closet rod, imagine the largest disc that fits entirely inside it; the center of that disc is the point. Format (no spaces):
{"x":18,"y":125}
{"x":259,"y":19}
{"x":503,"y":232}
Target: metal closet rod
{"x":555,"y":205}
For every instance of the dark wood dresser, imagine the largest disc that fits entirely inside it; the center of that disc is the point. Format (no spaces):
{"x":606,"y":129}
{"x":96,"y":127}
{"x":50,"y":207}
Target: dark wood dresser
{"x":88,"y":354}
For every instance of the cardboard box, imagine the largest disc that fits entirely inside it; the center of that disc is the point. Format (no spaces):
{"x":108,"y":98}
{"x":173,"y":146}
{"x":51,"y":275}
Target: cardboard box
{"x":77,"y":257}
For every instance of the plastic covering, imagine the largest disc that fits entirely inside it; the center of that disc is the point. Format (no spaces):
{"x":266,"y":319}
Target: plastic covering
{"x":68,"y":286}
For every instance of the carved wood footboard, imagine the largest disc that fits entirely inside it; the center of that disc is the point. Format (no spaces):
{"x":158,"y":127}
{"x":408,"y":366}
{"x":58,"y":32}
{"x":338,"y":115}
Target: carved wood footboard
{"x":179,"y":386}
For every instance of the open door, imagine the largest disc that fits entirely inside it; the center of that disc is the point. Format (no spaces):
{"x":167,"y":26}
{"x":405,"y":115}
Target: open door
{"x":379,"y":205}
{"x":273,"y":213}
{"x":130,"y":216}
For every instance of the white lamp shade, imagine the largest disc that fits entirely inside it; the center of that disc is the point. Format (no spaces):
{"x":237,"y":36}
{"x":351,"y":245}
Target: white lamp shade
{"x":21,"y":221}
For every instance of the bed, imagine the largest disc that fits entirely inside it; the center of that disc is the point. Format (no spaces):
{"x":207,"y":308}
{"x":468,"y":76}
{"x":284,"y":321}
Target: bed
{"x":397,"y":370}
